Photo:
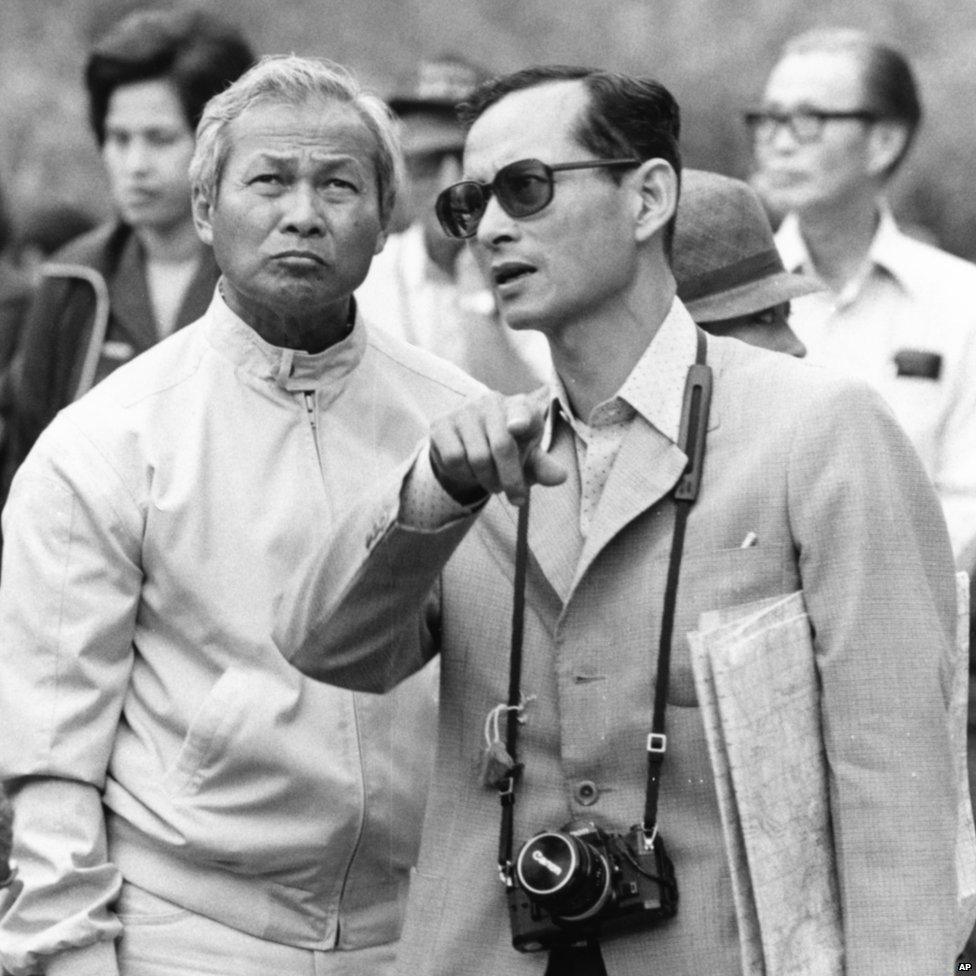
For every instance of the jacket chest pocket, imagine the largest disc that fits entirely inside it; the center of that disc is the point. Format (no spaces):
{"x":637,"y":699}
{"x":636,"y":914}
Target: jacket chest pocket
{"x":718,"y":580}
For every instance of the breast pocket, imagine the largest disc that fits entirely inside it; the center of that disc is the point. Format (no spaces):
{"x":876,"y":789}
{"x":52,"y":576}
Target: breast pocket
{"x":919,"y":404}
{"x":717,"y":580}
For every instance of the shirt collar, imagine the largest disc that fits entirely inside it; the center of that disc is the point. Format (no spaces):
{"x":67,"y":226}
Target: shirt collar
{"x":290,"y":369}
{"x":887,"y":250}
{"x":789,"y":242}
{"x":655,"y":386}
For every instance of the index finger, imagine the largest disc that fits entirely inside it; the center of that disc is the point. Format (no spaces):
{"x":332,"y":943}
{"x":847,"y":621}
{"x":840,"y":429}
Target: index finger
{"x":525,"y":419}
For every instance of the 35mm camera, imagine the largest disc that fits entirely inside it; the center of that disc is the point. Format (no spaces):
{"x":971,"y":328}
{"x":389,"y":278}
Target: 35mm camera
{"x":582,"y":883}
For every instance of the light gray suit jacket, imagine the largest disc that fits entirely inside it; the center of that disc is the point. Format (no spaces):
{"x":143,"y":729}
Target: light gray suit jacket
{"x":817,"y":468}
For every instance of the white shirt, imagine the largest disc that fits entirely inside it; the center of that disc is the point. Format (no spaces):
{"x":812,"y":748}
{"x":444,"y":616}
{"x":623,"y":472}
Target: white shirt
{"x":168,"y":283}
{"x":911,"y":297}
{"x":409,"y":296}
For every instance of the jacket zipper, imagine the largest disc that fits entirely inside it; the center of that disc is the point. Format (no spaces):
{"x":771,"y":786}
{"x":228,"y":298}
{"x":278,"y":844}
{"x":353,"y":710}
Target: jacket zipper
{"x":310,"y":412}
{"x":309,"y":396}
{"x":361,"y":829}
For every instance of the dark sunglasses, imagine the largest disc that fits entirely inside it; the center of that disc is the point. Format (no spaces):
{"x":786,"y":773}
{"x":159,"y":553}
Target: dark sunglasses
{"x":522,"y":188}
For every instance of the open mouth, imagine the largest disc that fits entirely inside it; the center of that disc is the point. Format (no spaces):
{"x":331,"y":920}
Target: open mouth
{"x":504,"y":274}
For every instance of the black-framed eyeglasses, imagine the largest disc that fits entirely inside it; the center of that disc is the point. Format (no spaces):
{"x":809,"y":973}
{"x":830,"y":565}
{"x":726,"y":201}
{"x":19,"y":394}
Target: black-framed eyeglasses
{"x":804,"y":125}
{"x":522,"y":188}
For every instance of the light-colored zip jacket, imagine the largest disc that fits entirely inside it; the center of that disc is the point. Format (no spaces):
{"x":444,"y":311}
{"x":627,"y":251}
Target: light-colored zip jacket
{"x":149,"y":728}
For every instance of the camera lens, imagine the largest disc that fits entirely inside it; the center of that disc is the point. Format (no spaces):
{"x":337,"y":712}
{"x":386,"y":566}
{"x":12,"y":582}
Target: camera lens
{"x":564,"y":874}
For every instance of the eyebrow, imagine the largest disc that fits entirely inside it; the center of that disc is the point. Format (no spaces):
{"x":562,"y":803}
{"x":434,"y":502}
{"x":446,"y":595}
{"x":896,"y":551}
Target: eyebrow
{"x":286,"y":158}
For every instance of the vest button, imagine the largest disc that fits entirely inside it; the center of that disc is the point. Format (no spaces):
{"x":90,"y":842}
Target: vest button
{"x":587,"y":793}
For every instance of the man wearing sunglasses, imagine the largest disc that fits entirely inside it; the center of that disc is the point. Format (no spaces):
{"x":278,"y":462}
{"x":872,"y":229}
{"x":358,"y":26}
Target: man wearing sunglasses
{"x":571,"y":186}
{"x":839,"y":114}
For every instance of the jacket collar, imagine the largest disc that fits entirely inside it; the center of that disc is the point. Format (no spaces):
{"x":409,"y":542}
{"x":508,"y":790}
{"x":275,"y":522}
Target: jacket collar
{"x":116,"y":254}
{"x":292,"y":370}
{"x":129,"y":295}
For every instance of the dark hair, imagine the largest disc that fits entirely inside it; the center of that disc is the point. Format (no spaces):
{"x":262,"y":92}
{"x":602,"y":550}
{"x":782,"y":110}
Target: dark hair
{"x":626,"y":116}
{"x":890,"y":89}
{"x":196,"y":52}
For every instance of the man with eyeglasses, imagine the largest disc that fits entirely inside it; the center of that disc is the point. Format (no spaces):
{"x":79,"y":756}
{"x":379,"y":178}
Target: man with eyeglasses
{"x":839,"y":114}
{"x":572,"y":183}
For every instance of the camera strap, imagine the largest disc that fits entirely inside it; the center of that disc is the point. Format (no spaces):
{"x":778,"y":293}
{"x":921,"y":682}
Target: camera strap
{"x":506,"y":788}
{"x":691,"y":440}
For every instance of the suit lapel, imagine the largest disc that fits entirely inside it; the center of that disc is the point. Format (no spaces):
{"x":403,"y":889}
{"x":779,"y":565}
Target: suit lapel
{"x":646,"y":468}
{"x":129,"y":295}
{"x":199,"y":294}
{"x":554,"y":532}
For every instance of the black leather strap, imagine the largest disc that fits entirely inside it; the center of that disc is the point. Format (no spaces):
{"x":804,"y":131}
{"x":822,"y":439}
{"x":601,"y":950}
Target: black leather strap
{"x":581,"y":960}
{"x":506,"y":791}
{"x":691,"y":439}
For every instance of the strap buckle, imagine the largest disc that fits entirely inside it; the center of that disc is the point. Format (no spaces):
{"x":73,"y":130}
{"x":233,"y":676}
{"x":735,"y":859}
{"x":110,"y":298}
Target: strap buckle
{"x":647,"y":839}
{"x":506,"y":790}
{"x":657,"y":743}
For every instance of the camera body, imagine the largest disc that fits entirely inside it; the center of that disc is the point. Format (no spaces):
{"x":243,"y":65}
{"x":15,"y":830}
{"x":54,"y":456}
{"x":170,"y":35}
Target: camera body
{"x":581,"y":883}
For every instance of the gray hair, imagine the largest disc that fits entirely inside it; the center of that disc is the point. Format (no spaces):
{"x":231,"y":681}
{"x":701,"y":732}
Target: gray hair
{"x":293,"y":79}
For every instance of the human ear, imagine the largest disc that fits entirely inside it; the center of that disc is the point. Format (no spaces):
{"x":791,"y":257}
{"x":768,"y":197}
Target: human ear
{"x":657,"y":197}
{"x":202,"y":210}
{"x":886,"y":142}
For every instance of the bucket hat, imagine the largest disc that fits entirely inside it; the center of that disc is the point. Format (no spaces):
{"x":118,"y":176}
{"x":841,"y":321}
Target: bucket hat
{"x":724,"y":256}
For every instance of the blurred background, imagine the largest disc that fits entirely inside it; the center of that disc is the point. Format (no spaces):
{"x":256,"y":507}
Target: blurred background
{"x":713,"y":54}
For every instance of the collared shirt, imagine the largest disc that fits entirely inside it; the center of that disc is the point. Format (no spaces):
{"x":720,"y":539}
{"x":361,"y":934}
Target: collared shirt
{"x":142,"y":699}
{"x":907,"y":325}
{"x":409,"y":296}
{"x":653,"y":390}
